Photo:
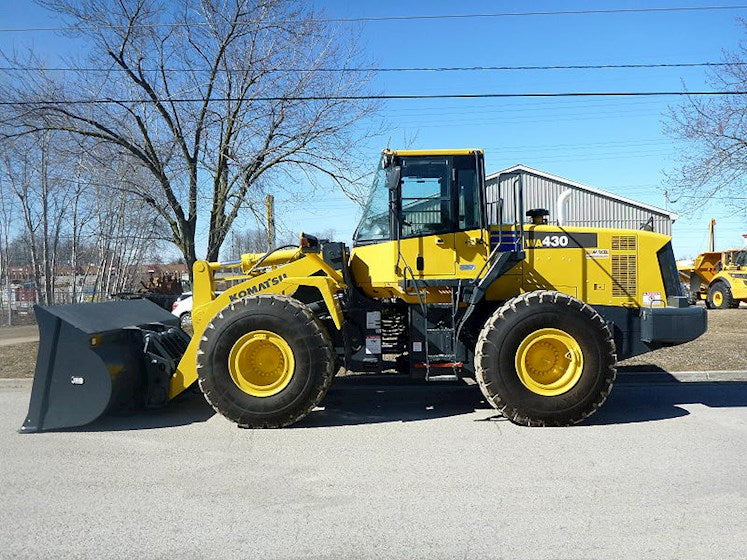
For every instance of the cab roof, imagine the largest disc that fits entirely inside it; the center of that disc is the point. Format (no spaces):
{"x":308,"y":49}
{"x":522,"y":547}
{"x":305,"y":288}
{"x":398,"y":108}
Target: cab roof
{"x":441,"y":152}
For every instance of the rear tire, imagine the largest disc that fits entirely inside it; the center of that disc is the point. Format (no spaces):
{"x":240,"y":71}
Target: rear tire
{"x":309,"y":352}
{"x":720,"y":296}
{"x":565,"y":332}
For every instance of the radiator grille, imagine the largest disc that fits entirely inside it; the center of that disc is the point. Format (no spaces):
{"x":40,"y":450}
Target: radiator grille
{"x":623,"y":242}
{"x":624,"y":276}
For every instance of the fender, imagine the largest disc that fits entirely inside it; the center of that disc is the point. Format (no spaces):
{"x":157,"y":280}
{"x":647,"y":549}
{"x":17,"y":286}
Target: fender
{"x":308,"y":270}
{"x":720,"y":279}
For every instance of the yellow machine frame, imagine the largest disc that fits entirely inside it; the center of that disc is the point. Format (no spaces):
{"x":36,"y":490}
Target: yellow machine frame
{"x":587,"y":273}
{"x":282,"y":272}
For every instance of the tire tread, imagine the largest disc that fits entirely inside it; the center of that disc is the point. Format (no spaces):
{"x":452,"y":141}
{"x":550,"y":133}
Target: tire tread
{"x":525,"y":300}
{"x":307,"y":320}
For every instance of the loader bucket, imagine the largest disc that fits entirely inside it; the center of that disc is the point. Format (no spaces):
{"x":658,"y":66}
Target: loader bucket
{"x":98,"y":357}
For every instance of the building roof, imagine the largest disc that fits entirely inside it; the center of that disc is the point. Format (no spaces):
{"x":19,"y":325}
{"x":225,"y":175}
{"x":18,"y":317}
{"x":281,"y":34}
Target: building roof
{"x":521,"y":167}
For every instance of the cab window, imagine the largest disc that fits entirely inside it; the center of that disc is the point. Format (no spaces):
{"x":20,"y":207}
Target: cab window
{"x":374,"y":224}
{"x":740,"y":258}
{"x":467,"y":192}
{"x":425,"y":196}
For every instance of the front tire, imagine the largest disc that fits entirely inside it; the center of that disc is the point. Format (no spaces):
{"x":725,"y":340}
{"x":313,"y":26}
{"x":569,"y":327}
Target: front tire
{"x":265,"y":361}
{"x":545,"y":359}
{"x":720,"y":296}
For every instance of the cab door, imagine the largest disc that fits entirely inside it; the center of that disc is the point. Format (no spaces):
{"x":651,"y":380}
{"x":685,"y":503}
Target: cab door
{"x":426,"y":219}
{"x":470,"y":240}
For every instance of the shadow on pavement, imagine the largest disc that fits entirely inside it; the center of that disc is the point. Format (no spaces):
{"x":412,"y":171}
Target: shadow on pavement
{"x":646,"y":402}
{"x":357,"y":400}
{"x":353,"y":401}
{"x":188,"y":408}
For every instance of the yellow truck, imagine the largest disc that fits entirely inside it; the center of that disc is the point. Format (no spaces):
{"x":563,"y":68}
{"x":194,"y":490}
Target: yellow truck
{"x":717,"y":277}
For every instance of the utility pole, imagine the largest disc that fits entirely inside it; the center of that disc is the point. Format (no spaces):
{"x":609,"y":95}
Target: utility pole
{"x":712,"y":235}
{"x":270,"y":211}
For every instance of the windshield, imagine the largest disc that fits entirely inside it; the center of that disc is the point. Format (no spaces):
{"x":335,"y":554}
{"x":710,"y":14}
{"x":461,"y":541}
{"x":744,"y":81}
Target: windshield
{"x":374,"y":224}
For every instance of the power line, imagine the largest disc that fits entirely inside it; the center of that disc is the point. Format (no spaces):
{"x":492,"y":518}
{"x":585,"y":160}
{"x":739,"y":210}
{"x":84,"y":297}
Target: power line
{"x":374,"y":19}
{"x":382,"y":97}
{"x":458,"y":107}
{"x":394,"y":69}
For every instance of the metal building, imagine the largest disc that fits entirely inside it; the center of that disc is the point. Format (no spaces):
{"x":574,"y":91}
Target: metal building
{"x":570,"y":203}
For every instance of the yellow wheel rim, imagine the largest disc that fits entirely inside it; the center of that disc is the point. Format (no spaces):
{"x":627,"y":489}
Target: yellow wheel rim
{"x":549,"y":362}
{"x":718,"y":299}
{"x":261,"y":363}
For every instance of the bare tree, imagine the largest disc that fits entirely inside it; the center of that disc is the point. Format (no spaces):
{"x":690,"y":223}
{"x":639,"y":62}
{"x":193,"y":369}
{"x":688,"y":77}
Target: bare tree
{"x":71,"y":210}
{"x":7,"y":219}
{"x":712,"y":132}
{"x":211,"y":97}
{"x":36,"y":178}
{"x":20,"y":173}
{"x":123,"y":228}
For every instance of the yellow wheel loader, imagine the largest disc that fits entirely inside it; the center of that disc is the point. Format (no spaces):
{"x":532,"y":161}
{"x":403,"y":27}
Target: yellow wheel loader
{"x":719,"y":278}
{"x":537,"y":313}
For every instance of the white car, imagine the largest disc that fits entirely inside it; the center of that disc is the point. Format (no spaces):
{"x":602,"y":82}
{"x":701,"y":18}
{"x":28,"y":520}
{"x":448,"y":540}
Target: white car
{"x":182,"y":308}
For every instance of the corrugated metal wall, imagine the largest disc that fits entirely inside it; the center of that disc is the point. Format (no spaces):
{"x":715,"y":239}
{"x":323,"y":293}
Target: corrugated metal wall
{"x":583,"y":208}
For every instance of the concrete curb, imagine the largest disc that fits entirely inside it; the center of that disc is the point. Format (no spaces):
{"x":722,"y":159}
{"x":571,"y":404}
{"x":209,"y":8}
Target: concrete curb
{"x":622,"y":377}
{"x":15,"y":383}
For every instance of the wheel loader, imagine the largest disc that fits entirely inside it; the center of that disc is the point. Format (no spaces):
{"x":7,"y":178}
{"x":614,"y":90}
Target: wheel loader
{"x":537,"y":313}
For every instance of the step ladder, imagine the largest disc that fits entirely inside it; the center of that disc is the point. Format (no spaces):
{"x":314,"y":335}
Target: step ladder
{"x":440,"y":360}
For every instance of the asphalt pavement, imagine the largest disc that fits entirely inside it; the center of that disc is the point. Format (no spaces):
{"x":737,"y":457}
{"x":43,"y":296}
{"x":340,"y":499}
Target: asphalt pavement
{"x":386,"y":471}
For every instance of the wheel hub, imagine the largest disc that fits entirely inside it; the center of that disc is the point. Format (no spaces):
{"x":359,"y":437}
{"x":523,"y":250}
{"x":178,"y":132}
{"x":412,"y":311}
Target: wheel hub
{"x":718,"y":299}
{"x":261,"y":363}
{"x":549,"y":362}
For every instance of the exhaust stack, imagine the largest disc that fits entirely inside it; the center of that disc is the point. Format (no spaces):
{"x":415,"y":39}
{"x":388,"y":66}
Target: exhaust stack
{"x":560,"y":206}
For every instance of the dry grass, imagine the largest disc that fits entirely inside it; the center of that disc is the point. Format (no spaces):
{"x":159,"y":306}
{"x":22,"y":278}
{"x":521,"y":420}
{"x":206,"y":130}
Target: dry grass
{"x":18,"y":360}
{"x":18,"y":332}
{"x":723,"y":347}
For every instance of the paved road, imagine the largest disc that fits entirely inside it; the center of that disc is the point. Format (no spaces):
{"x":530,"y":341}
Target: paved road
{"x":386,"y":471}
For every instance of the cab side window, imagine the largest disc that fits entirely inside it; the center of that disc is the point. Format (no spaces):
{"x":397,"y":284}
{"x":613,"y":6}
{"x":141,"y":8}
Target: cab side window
{"x":467,"y":193}
{"x":425,"y":199}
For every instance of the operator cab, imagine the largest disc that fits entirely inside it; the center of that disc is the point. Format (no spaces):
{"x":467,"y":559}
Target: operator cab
{"x":419,"y":193}
{"x":736,"y":258}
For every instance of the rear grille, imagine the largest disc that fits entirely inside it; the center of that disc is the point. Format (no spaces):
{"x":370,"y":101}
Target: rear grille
{"x":624,"y":277}
{"x":624,"y":243}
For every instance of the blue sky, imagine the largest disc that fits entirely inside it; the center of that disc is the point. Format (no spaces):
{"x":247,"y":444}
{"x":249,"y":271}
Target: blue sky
{"x":613,"y":144}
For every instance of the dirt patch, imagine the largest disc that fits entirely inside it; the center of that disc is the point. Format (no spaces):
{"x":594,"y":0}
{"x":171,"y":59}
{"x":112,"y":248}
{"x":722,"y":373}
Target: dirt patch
{"x":722,"y":347}
{"x":18,"y":360}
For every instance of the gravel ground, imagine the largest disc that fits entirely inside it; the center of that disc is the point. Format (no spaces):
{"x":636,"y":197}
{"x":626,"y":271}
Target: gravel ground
{"x":723,"y":347}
